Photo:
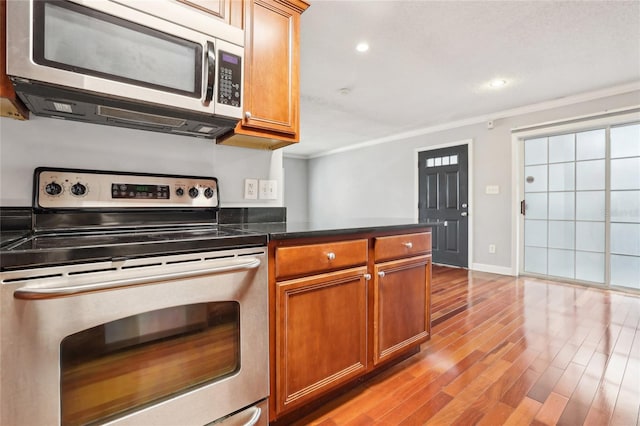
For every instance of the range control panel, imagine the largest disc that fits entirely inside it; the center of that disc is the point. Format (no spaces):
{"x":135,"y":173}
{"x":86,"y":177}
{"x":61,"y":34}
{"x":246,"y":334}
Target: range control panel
{"x":74,"y":188}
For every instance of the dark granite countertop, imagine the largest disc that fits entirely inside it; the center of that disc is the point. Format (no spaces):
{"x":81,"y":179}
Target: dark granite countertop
{"x":289,"y":230}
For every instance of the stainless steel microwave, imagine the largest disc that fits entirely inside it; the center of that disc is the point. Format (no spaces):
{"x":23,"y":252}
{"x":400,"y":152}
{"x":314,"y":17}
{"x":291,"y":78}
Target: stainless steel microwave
{"x":158,"y":65}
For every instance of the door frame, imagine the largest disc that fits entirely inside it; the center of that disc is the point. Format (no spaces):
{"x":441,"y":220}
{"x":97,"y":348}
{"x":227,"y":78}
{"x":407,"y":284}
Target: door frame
{"x":518,"y":135}
{"x":416,"y":179}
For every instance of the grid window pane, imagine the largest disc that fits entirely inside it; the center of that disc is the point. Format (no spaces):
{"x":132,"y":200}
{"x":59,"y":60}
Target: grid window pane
{"x":536,"y":178}
{"x":625,"y":271}
{"x":625,"y":238}
{"x":590,"y":266}
{"x":536,"y":206}
{"x":625,"y":141}
{"x":590,"y":175}
{"x":561,"y":263}
{"x":535,"y":233}
{"x":562,"y":205}
{"x":625,"y":206}
{"x":562,"y":148}
{"x":561,"y":234}
{"x":590,"y":236}
{"x":562,"y":177}
{"x":625,"y":173}
{"x":535,"y":151}
{"x":590,"y":205}
{"x":535,"y":260}
{"x":591,"y":145}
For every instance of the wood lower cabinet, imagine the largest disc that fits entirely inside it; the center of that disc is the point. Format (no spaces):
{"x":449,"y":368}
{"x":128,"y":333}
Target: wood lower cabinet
{"x":401,"y":306}
{"x":272,"y":75}
{"x":341,"y":307}
{"x":322,"y":330}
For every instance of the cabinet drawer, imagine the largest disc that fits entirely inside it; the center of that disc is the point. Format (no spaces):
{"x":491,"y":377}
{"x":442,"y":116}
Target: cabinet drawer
{"x":398,"y":246}
{"x":315,"y":258}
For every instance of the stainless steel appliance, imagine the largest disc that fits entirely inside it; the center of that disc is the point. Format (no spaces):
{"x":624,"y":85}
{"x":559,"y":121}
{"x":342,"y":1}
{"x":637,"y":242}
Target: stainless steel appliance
{"x":128,"y":304}
{"x":158,"y":65}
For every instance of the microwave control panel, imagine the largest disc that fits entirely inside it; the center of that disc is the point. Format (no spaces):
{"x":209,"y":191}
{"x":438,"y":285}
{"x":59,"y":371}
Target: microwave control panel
{"x":229,"y":79}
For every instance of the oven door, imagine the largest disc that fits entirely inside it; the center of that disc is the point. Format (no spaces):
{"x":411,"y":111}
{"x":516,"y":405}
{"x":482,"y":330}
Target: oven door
{"x":117,"y":50}
{"x":174,"y":340}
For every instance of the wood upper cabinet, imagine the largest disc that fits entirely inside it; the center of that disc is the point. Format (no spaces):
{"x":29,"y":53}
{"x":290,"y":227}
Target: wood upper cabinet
{"x":322,"y":335}
{"x":10,"y":105}
{"x":271,"y":75}
{"x":401,"y":293}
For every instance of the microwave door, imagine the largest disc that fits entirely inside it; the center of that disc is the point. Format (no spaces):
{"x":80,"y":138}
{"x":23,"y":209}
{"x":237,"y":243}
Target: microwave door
{"x":110,"y":49}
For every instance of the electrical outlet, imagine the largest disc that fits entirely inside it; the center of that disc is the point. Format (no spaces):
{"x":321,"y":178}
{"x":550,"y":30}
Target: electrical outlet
{"x":268,"y":189}
{"x":492,"y":248}
{"x":251,"y":189}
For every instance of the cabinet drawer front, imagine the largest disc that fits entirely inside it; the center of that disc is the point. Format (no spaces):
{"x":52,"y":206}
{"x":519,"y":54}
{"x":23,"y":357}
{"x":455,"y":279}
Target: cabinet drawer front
{"x":398,"y":246}
{"x":314,"y":258}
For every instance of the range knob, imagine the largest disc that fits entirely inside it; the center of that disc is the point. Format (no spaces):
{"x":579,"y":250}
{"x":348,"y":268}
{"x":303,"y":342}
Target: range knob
{"x":179,"y":192}
{"x":53,"y":188}
{"x":78,"y":189}
{"x":193,"y":192}
{"x":208,"y":192}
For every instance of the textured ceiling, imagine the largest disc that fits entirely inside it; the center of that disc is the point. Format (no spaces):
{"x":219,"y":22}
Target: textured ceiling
{"x":430,"y":61}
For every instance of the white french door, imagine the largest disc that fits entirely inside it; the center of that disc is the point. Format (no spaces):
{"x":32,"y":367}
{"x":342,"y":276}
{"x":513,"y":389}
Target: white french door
{"x":582,"y":206}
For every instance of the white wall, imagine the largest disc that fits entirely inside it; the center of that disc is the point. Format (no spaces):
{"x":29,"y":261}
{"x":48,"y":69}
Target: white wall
{"x":296,"y":194}
{"x":25,"y":145}
{"x":379,"y":180}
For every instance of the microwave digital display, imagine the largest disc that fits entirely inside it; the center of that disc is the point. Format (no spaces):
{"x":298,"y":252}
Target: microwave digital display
{"x":232,"y":59}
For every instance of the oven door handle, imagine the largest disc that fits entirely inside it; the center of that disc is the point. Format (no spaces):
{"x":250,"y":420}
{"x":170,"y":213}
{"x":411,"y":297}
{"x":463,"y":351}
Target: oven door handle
{"x":35,"y":293}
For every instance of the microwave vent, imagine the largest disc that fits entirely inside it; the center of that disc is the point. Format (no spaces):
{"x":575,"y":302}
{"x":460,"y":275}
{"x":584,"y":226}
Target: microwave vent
{"x":139,"y":117}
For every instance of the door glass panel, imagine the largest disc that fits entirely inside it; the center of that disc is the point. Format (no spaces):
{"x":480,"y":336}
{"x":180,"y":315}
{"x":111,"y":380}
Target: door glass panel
{"x":535,"y":151}
{"x":561,"y":148}
{"x":625,"y":238}
{"x":535,"y":260}
{"x":561,"y":234}
{"x":591,"y":145}
{"x":625,"y":173}
{"x":590,"y":205}
{"x":625,"y":141}
{"x":126,"y":364}
{"x":625,"y":206}
{"x":562,"y":205}
{"x":590,"y":175}
{"x":590,"y":266}
{"x":536,"y":178}
{"x":83,"y":40}
{"x":625,"y":271}
{"x":536,"y":205}
{"x":562,"y":177}
{"x":561,"y":263}
{"x":535,"y":233}
{"x":590,"y":236}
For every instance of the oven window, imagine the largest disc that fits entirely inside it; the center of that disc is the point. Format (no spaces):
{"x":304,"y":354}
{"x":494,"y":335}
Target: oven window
{"x":127,"y":364}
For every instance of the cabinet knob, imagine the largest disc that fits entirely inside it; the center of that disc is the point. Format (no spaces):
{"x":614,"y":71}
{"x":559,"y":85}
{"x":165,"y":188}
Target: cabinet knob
{"x":381,"y":274}
{"x":367,"y":277}
{"x":331,"y":256}
{"x":247,"y":115}
{"x":408,"y":245}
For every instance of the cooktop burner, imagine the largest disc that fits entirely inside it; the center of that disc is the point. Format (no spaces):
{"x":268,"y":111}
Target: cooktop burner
{"x":89,"y":216}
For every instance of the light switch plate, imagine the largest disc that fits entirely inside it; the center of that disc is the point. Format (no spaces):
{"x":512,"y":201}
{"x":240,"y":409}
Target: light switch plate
{"x":268,"y":189}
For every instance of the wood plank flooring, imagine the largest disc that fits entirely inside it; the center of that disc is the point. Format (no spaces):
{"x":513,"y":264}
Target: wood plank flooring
{"x":508,"y":351}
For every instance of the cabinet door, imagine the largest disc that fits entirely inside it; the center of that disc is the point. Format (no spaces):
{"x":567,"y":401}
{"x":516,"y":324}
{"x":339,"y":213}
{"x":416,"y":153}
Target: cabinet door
{"x":229,"y":11}
{"x":320,"y":335}
{"x":402,"y":317}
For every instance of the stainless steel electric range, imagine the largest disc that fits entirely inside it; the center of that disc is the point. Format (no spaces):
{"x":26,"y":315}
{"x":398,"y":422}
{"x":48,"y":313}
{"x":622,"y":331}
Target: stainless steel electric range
{"x":128,"y":303}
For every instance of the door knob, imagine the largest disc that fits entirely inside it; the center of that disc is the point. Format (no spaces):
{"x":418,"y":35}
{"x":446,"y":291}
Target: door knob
{"x":408,"y":245}
{"x":464,"y":214}
{"x":331,"y":256}
{"x":381,"y":274}
{"x":247,"y":115}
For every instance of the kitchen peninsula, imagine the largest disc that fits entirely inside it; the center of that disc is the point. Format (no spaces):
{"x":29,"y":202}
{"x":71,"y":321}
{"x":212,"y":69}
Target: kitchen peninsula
{"x":346,"y":298}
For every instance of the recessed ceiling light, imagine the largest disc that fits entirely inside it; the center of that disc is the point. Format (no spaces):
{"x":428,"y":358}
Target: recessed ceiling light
{"x":362,"y":47}
{"x":498,"y":82}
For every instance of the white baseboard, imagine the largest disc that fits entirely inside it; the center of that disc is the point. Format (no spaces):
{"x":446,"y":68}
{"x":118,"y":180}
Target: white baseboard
{"x":502,"y":270}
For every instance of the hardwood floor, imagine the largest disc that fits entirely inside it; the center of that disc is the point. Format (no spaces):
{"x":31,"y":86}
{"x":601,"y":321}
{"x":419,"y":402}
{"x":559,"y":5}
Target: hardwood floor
{"x":506,"y":350}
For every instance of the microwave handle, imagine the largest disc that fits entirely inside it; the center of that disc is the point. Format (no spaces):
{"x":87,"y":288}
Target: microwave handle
{"x":210,"y":65}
